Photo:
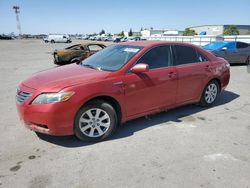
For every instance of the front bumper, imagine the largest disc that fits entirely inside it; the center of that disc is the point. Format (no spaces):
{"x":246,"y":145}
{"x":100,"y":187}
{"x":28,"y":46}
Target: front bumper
{"x":53,"y":119}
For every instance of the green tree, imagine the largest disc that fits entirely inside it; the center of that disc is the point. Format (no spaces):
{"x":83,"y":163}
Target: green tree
{"x":189,"y":32}
{"x":231,"y":30}
{"x":121,"y":34}
{"x":102,"y":32}
{"x":130,"y":33}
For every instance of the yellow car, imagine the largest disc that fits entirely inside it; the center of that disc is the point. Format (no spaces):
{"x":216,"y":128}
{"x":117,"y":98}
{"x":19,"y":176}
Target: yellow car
{"x":76,"y":53}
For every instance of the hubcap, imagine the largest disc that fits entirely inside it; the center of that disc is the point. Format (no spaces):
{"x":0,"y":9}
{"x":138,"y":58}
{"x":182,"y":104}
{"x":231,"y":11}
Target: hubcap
{"x":94,"y":122}
{"x":211,"y":93}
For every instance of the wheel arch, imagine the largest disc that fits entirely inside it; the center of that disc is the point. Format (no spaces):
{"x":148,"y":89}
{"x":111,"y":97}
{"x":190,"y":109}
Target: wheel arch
{"x":112,"y":101}
{"x":218,"y":81}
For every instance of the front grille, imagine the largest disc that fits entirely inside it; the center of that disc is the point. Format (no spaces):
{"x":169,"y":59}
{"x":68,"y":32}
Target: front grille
{"x":22,"y":96}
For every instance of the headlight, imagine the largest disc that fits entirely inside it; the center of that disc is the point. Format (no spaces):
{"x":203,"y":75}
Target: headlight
{"x":47,"y":98}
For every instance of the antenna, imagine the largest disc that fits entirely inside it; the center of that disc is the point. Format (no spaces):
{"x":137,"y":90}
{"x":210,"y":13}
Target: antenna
{"x":17,"y":11}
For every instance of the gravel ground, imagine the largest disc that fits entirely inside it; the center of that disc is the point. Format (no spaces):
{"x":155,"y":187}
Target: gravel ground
{"x":185,"y":147}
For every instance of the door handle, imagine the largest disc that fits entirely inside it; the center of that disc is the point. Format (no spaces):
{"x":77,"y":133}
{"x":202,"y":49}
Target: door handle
{"x":172,"y":74}
{"x":120,"y":83}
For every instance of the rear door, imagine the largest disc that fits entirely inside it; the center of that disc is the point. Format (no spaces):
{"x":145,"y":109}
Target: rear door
{"x":153,"y":89}
{"x":231,"y":52}
{"x":243,"y":52}
{"x":193,"y":70}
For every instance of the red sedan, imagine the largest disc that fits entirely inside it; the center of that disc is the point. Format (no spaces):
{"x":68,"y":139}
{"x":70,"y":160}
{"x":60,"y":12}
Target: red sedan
{"x":117,"y":84}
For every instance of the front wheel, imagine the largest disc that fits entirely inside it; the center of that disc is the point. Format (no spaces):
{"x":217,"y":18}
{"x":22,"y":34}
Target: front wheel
{"x":95,"y":121}
{"x":210,"y":94}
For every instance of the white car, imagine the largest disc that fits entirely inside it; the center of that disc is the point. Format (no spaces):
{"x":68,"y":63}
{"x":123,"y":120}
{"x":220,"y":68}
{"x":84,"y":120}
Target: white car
{"x":57,"y":38}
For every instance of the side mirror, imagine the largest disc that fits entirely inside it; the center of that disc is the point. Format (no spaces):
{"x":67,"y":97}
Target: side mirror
{"x":140,"y":68}
{"x":224,"y":49}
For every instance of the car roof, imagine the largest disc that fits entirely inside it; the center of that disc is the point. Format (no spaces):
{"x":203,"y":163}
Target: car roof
{"x":146,"y":43}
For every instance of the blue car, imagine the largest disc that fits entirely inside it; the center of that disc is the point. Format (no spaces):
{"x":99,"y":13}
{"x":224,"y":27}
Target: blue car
{"x":233,"y":52}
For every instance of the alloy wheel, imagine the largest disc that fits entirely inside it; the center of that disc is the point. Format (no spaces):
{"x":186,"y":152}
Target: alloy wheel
{"x":211,"y":93}
{"x":94,"y":122}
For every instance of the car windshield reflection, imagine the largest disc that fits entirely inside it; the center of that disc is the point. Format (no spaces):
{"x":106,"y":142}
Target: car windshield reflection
{"x":112,"y":58}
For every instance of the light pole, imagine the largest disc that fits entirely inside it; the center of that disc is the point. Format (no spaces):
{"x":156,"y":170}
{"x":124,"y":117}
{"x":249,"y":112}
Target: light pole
{"x":16,"y":8}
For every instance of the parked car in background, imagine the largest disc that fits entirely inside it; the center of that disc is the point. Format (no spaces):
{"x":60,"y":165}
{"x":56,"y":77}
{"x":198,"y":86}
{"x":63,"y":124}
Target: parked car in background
{"x":82,"y":37}
{"x":108,"y":38}
{"x":57,"y":38}
{"x":93,"y":37}
{"x":232,"y":51}
{"x":117,"y":39}
{"x":129,"y":39}
{"x":76,"y":53}
{"x":124,"y":39}
{"x":6,"y":37}
{"x":121,"y":82}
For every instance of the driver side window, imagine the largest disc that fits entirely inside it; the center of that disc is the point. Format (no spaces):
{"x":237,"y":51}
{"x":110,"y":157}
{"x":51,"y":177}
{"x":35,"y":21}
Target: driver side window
{"x":157,"y":57}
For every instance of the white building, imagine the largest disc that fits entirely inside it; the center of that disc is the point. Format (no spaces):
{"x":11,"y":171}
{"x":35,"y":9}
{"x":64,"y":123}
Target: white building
{"x":148,"y":33}
{"x":218,"y":29}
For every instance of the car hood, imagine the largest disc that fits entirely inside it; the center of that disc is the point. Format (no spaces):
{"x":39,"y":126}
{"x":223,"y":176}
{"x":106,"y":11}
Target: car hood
{"x":55,"y":79}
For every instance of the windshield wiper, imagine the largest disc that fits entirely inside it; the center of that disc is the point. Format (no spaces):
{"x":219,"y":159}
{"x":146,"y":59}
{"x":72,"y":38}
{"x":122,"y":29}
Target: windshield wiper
{"x":89,"y":66}
{"x":97,"y":68}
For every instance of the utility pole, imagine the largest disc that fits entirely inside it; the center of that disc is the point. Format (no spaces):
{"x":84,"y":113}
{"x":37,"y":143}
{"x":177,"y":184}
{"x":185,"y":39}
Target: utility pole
{"x":16,"y":8}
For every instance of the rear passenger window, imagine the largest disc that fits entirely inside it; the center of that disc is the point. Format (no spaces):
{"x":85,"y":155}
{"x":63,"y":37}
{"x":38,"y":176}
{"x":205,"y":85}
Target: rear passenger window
{"x":185,"y":55}
{"x":157,"y":57}
{"x":201,"y":57}
{"x":242,"y":45}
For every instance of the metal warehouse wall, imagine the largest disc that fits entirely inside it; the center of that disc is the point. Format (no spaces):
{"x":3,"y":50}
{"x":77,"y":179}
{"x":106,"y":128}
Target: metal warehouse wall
{"x":209,"y":29}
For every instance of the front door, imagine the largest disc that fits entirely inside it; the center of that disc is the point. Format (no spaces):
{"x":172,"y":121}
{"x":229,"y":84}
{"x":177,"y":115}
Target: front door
{"x":153,"y":89}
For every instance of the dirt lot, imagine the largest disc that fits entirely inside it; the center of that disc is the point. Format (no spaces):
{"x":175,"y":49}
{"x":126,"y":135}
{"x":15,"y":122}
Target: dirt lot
{"x":186,"y":147}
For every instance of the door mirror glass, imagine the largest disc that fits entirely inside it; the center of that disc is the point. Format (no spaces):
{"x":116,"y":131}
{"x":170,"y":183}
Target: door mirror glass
{"x":140,"y":68}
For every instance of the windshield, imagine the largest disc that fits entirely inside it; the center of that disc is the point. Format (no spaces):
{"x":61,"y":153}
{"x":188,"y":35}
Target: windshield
{"x":111,"y":58}
{"x":214,"y":45}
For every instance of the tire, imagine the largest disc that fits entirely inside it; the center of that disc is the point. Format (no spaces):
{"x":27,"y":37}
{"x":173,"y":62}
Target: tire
{"x":95,"y":121}
{"x":46,"y":41}
{"x":52,"y":41}
{"x":210,"y":94}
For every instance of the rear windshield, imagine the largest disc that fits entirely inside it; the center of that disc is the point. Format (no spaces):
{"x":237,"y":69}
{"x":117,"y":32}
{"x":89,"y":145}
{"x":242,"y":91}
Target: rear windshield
{"x":111,"y":58}
{"x":216,"y":45}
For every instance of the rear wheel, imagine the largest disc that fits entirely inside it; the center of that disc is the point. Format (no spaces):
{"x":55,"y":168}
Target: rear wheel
{"x":95,"y":121}
{"x":52,"y":41}
{"x":210,"y":94}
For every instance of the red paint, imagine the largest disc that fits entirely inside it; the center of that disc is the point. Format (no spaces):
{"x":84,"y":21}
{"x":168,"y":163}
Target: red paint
{"x":139,"y":94}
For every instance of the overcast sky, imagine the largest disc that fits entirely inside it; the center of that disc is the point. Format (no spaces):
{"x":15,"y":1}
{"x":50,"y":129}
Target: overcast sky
{"x":88,"y":16}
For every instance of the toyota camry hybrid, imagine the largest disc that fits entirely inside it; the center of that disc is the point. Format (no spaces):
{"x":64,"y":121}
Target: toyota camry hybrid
{"x":119,"y":83}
